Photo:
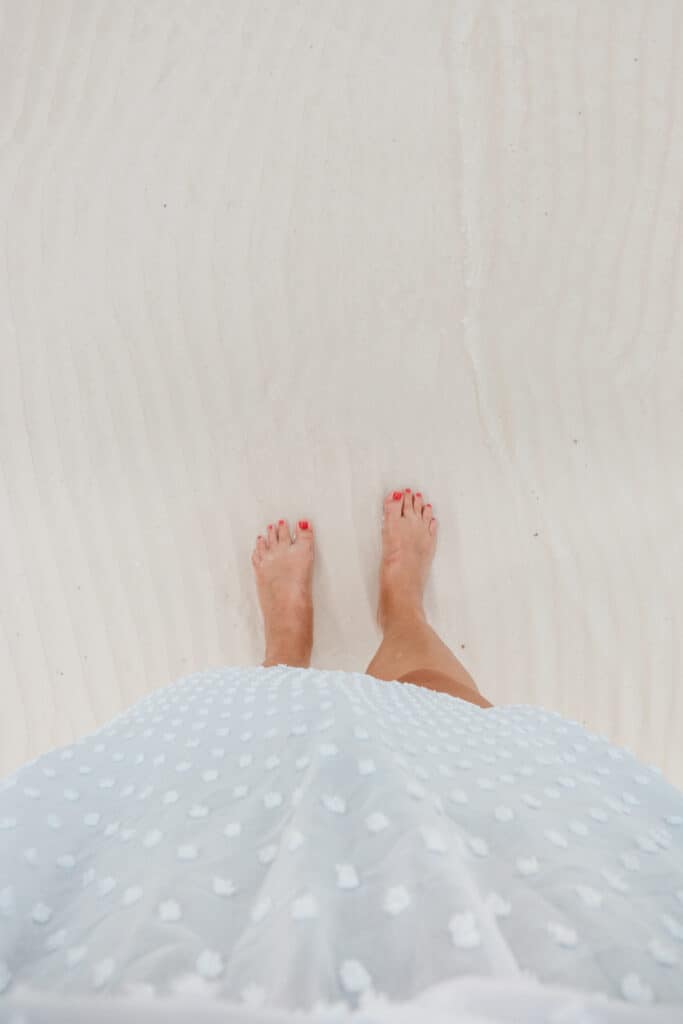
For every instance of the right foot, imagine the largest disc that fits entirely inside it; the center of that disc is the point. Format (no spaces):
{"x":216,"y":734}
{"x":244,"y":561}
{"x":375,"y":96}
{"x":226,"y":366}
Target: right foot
{"x":408,"y":546}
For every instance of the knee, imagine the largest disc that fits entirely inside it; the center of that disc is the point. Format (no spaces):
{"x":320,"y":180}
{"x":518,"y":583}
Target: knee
{"x":443,"y":683}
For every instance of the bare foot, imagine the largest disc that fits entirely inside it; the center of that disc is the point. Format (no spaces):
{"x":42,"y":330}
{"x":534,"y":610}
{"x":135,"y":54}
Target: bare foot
{"x":284,"y":572}
{"x":408,"y":546}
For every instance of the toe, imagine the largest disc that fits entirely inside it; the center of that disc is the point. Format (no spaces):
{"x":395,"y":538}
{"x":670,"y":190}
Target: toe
{"x":393,"y":504}
{"x":271,"y":536}
{"x":427,"y":513}
{"x":408,"y":509}
{"x":283,"y":532}
{"x":418,"y":503}
{"x":433,"y":526}
{"x":304,"y":531}
{"x":259,"y":548}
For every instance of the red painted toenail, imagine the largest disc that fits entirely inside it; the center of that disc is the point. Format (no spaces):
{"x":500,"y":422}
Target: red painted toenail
{"x":428,"y":506}
{"x":418,"y":494}
{"x":398,"y":495}
{"x":407,"y":490}
{"x":280,"y":522}
{"x":303,"y":524}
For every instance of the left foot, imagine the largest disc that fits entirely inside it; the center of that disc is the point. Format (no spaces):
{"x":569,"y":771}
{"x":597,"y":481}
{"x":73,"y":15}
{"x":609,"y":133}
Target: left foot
{"x":284,"y":576}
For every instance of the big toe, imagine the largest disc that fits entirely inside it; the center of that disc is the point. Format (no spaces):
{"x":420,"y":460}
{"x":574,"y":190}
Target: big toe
{"x":304,"y":532}
{"x":393,"y":503}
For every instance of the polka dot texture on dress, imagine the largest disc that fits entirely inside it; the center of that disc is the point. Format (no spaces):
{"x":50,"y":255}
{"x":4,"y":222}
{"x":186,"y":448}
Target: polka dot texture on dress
{"x":290,"y":813}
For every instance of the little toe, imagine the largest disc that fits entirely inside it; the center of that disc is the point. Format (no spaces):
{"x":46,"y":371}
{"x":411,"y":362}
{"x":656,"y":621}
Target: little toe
{"x":433,"y":526}
{"x":259,"y":548}
{"x":283,"y":532}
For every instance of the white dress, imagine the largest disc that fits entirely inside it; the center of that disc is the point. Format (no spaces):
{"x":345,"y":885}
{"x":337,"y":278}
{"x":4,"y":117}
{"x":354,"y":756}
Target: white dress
{"x":248,"y":839}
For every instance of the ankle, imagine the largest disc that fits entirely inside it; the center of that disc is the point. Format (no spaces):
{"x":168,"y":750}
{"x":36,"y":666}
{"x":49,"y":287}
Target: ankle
{"x":401,"y":615}
{"x":287,"y":652}
{"x":286,"y":659}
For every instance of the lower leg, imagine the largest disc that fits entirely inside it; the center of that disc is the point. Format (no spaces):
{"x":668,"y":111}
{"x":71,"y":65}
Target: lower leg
{"x":412,"y":652}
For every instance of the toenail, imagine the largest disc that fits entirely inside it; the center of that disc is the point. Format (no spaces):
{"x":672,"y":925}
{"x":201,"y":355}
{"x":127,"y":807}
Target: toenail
{"x":281,"y":522}
{"x":397,"y":495}
{"x":418,"y":494}
{"x":407,"y":490}
{"x":303,"y":524}
{"x":428,"y":506}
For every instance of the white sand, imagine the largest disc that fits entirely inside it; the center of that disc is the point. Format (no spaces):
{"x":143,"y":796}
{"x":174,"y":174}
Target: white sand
{"x":267,"y":260}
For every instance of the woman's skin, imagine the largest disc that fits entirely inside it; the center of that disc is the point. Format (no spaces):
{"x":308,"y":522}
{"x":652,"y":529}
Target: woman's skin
{"x":410,"y":651}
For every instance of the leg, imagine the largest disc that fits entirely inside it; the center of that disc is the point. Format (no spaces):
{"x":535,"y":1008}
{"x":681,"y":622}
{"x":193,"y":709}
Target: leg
{"x":284,"y":574}
{"x":411,"y":651}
